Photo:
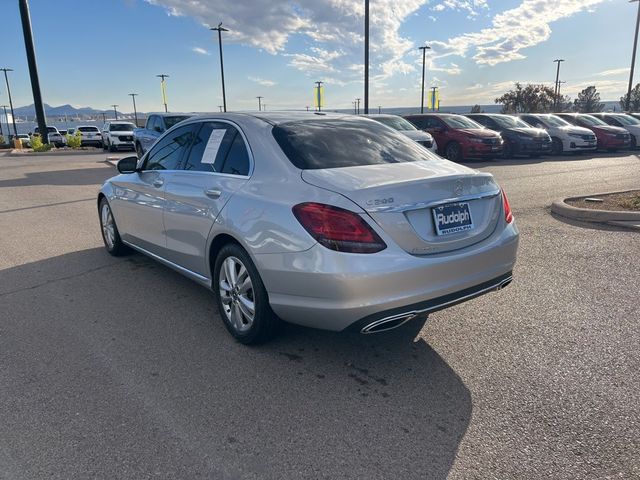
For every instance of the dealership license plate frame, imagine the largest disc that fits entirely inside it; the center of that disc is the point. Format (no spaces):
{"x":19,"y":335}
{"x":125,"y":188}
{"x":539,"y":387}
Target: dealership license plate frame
{"x":446,"y":209}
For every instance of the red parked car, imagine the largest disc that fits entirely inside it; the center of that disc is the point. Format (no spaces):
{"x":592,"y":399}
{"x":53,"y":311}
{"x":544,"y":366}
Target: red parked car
{"x":459,"y":137}
{"x":609,"y":137}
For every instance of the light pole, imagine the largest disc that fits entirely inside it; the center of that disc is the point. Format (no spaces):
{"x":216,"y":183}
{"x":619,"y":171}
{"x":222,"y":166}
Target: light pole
{"x":163,"y":88}
{"x":220,"y":107}
{"x":354,"y":103}
{"x":379,"y":109}
{"x":259,"y":103}
{"x":221,"y":29}
{"x":366,"y":57}
{"x":319,"y":95}
{"x":25,"y":18}
{"x":115,"y":111}
{"x":555,"y":90}
{"x":13,"y":117}
{"x":633,"y":57}
{"x":135,"y":111}
{"x":358,"y":103}
{"x":424,"y":52}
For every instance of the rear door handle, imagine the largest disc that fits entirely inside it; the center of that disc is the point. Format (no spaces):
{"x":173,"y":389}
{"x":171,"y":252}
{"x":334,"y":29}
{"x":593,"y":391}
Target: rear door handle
{"x":212,"y":193}
{"x":158,"y":182}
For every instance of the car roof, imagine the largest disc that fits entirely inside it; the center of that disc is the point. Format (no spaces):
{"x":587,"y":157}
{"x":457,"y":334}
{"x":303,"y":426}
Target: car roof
{"x":273,"y":118}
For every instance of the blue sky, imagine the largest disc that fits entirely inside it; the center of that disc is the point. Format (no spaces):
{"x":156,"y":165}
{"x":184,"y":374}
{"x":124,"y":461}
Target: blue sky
{"x":92,"y":53}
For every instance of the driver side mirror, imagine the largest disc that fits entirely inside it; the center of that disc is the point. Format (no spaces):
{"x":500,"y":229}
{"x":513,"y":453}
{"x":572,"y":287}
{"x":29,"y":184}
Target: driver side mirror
{"x":128,"y":165}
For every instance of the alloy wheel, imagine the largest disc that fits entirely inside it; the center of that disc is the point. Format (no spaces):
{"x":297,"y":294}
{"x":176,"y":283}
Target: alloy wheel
{"x":108,"y":226}
{"x":236,"y":293}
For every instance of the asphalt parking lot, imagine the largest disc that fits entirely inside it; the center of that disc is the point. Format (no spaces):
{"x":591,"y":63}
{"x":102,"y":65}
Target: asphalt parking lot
{"x":121,"y":368}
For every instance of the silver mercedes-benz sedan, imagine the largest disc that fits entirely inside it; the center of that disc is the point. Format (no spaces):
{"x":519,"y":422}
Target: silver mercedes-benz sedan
{"x":324,"y":220}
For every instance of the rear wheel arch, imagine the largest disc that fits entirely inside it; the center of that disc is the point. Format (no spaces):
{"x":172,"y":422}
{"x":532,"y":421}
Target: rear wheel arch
{"x":217,"y":243}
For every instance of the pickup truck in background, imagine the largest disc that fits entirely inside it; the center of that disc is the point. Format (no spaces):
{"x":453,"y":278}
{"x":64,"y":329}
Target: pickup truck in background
{"x":157,"y":124}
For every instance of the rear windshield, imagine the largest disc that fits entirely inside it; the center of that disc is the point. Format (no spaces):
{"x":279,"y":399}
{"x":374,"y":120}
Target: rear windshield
{"x":507,"y":121}
{"x":397,"y":123}
{"x":348,"y":142}
{"x":626,"y":119}
{"x":554,"y":121}
{"x":121,"y":127}
{"x":88,"y":129}
{"x":589,"y":120}
{"x":458,"y":121}
{"x":171,"y":121}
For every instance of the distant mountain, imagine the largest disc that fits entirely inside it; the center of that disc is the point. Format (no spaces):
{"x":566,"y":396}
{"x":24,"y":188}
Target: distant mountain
{"x":69,"y":110}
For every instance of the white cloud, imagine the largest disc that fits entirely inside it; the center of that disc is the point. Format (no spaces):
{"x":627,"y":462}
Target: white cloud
{"x":614,"y":72}
{"x":512,"y":31}
{"x":262,"y":81}
{"x":201,"y":51}
{"x":471,"y":7}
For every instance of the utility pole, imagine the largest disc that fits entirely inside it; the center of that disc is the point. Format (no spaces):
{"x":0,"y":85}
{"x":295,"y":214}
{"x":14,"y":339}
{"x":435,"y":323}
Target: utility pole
{"x":25,"y":17}
{"x":135,"y":111}
{"x":259,"y":103}
{"x":379,"y":109}
{"x":163,"y":87}
{"x":13,"y":117}
{"x":633,"y":58}
{"x":355,"y":112}
{"x":221,"y":29}
{"x":366,"y":57}
{"x":555,"y":90}
{"x":319,"y":95}
{"x":424,"y":52}
{"x":358,"y":103}
{"x":115,"y":111}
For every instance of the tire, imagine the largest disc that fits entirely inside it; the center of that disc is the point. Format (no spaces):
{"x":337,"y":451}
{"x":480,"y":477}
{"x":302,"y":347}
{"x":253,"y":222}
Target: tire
{"x":507,"y":150}
{"x":556,"y":146}
{"x":453,"y":152}
{"x":235,"y":299}
{"x":633,"y":145}
{"x":104,"y":145}
{"x":110,"y":235}
{"x":138,"y":149}
{"x":112,"y":148}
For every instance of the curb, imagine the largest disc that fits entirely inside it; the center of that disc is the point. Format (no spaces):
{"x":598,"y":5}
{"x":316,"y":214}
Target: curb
{"x":57,"y":152}
{"x":614,"y":217}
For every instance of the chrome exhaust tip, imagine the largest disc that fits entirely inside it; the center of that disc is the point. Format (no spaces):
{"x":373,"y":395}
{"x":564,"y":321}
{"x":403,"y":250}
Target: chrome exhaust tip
{"x":387,"y":323}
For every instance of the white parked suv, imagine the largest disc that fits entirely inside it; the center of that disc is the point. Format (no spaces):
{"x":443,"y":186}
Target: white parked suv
{"x":89,"y":135}
{"x":118,"y":135}
{"x":54,"y":136}
{"x":564,"y":136}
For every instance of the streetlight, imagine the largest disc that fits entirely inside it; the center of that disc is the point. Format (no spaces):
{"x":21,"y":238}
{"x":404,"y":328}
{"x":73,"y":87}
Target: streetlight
{"x":115,"y":111}
{"x":633,"y":57}
{"x":221,"y":29}
{"x":13,"y":117}
{"x":354,"y":103}
{"x":366,"y":57}
{"x":220,"y":107}
{"x":424,"y":52}
{"x":358,"y":103}
{"x":163,"y":88}
{"x":555,"y":91}
{"x":135,"y":111}
{"x":259,"y":103}
{"x":379,"y":109}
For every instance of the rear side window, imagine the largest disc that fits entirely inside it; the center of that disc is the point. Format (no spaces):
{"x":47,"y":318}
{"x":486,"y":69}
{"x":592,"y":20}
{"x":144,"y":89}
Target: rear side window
{"x":167,"y":153}
{"x":218,"y":147}
{"x":348,"y":142}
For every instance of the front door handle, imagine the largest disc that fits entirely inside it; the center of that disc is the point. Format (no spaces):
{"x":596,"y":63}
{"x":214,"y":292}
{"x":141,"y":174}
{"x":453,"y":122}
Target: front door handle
{"x":212,"y":193}
{"x":158,"y":182}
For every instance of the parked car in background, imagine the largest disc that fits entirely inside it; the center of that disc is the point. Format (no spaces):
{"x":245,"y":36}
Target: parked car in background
{"x":519,"y":138}
{"x":564,"y":136}
{"x":405,"y":127}
{"x":628,"y":122}
{"x":458,"y":137}
{"x":330,"y":221}
{"x":118,"y":136}
{"x":63,"y":132}
{"x":71,"y":131}
{"x":89,"y":135}
{"x":53,"y":136}
{"x":157,"y":124}
{"x":609,"y":137}
{"x":25,"y":139}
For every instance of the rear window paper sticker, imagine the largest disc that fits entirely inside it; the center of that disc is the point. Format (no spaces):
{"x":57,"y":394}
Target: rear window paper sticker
{"x":213,"y":145}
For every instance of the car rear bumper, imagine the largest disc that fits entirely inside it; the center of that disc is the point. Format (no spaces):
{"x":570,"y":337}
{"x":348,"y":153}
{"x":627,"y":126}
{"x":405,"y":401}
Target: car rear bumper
{"x":325,"y":289}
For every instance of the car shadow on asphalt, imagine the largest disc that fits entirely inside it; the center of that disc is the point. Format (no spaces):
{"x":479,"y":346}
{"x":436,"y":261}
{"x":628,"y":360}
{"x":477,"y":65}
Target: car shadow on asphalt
{"x":78,"y":176}
{"x":146,"y":343}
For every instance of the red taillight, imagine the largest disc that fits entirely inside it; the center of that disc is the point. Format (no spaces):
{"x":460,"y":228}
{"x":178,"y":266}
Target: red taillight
{"x":508,"y":215}
{"x":337,"y":228}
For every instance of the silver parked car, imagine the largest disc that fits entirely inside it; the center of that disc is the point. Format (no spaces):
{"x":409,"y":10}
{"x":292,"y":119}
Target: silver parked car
{"x":324,"y":220}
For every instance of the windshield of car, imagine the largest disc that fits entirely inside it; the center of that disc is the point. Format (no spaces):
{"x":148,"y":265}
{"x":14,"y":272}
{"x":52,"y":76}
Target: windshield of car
{"x":554,"y":121}
{"x":121,"y":127}
{"x":88,"y":129}
{"x":458,"y":121}
{"x":171,"y":121}
{"x":337,"y":143}
{"x":397,"y":123}
{"x":509,"y":122}
{"x":589,"y":120}
{"x":626,"y":119}
{"x":52,"y":130}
